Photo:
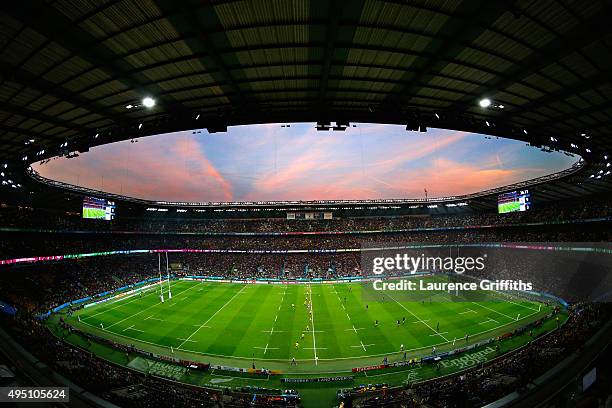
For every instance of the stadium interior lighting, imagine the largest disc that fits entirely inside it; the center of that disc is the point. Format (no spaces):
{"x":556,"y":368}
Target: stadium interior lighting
{"x":198,"y":116}
{"x":437,"y":116}
{"x":130,"y":106}
{"x":484,"y":102}
{"x":148,"y":102}
{"x":96,"y":136}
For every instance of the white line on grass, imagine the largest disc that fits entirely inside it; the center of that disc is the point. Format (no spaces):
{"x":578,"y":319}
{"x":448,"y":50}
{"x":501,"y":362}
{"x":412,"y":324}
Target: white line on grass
{"x":318,"y":348}
{"x":494,"y":311}
{"x":518,"y":304}
{"x":438,"y":334}
{"x":489,"y":320}
{"x":272,"y":331}
{"x":363,"y":346}
{"x":314,"y":338}
{"x":192,"y":341}
{"x":354,"y":329}
{"x":211,"y":317}
{"x":121,"y":304}
{"x":133,"y":329}
{"x":147,"y":308}
{"x":265,"y":349}
{"x":417,"y":317}
{"x":468,"y":311}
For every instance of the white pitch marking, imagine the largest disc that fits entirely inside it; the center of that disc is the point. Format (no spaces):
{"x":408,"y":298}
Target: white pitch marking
{"x":354,"y":329}
{"x":211,"y":317}
{"x":363,"y":346}
{"x":118,"y":305}
{"x":272,"y":331}
{"x":265,"y":349}
{"x":468,"y":311}
{"x":438,"y":334}
{"x":133,"y":329}
{"x":417,"y":317}
{"x":419,"y":321}
{"x":518,"y":304}
{"x":489,"y":320}
{"x":314,"y":338}
{"x":147,"y":308}
{"x":494,"y":311}
{"x":184,"y":340}
{"x":154,"y":318}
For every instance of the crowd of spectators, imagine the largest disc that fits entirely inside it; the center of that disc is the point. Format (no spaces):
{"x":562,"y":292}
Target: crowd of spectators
{"x":168,"y":222}
{"x":119,"y":385}
{"x":489,"y":382}
{"x":37,"y":287}
{"x":18,"y":245}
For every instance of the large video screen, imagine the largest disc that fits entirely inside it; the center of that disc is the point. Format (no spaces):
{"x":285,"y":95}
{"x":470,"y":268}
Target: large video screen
{"x":98,"y":208}
{"x":513,"y":201}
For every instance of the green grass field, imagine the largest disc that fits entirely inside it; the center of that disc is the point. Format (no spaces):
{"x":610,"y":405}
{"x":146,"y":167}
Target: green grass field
{"x":94,"y":213}
{"x":233,"y":324}
{"x":508,"y":207}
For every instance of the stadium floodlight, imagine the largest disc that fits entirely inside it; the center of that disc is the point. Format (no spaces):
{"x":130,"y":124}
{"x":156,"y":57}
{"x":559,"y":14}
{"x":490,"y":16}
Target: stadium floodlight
{"x":96,"y":136}
{"x":484,"y":102}
{"x":148,"y":102}
{"x":130,"y":106}
{"x":198,"y":116}
{"x":140,"y":126}
{"x":437,"y":116}
{"x":501,"y":106}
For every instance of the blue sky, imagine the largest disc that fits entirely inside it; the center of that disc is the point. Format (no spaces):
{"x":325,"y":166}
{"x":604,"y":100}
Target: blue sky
{"x":270,"y":162}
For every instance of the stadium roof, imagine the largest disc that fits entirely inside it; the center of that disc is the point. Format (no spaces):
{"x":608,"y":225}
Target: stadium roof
{"x":70,"y":70}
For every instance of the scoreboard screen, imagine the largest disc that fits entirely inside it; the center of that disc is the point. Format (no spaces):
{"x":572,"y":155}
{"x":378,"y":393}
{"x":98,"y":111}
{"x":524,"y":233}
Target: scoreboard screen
{"x":514,"y":201}
{"x":98,"y":208}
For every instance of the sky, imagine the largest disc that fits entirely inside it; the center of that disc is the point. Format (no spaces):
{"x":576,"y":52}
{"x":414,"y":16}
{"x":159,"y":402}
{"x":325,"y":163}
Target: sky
{"x":270,"y":162}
